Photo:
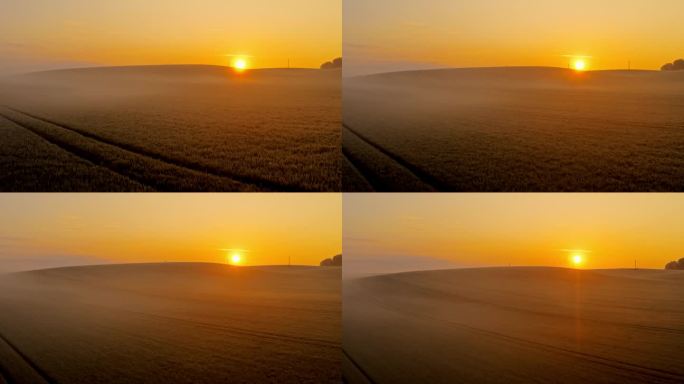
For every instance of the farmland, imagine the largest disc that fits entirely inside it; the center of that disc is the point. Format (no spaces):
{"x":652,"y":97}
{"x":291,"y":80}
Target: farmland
{"x":514,"y":129}
{"x":515,"y":325}
{"x":172,"y":128}
{"x":174,"y":322}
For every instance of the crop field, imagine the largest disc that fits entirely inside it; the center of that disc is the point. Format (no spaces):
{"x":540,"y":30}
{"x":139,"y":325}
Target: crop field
{"x":515,"y":325}
{"x":30,"y":163}
{"x":514,"y":129}
{"x":171,"y":323}
{"x":172,"y":128}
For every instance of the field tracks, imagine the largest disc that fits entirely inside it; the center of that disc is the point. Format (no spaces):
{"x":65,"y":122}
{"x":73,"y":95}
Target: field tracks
{"x":75,"y":150}
{"x":17,"y":368}
{"x":384,"y":170}
{"x":354,"y":179}
{"x":353,"y":372}
{"x":153,"y":170}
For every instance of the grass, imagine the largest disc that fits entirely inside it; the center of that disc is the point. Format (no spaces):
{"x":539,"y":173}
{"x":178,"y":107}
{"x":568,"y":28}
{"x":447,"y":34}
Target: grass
{"x":32,"y":164}
{"x":526,"y":129}
{"x":515,"y":325}
{"x":181,"y":323}
{"x":270,"y":130}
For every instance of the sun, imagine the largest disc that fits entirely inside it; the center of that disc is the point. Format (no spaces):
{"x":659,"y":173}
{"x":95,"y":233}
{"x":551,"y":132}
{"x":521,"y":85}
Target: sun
{"x":240,"y":65}
{"x":235,"y":259}
{"x":577,"y":260}
{"x":579,"y":65}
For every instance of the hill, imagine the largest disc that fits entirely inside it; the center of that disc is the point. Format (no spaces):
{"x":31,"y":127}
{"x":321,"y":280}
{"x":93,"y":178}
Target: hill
{"x":191,"y":73}
{"x":514,"y":129}
{"x":184,"y":323}
{"x":515,"y":325}
{"x":172,"y":128}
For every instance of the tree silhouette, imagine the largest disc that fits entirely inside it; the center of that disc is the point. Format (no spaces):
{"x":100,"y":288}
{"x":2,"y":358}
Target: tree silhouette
{"x":677,"y":65}
{"x":335,"y":261}
{"x":676,"y":265}
{"x":335,"y":64}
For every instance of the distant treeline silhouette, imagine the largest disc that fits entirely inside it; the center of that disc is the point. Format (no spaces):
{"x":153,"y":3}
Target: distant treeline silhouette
{"x":335,"y":64}
{"x":677,"y":65}
{"x":335,"y":261}
{"x":676,"y":265}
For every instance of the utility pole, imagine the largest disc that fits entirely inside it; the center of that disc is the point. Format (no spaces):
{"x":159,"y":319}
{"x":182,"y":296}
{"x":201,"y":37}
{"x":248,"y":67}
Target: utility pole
{"x":635,"y":265}
{"x":288,"y":63}
{"x":289,"y":260}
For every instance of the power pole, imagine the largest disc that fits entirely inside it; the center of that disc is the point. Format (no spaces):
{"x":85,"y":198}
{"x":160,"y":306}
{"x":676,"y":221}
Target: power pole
{"x":289,"y":260}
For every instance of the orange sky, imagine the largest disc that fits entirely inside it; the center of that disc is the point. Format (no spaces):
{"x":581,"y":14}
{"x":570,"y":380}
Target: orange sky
{"x":124,"y":228}
{"x":123,"y":32}
{"x":387,"y":35}
{"x":609,"y":230}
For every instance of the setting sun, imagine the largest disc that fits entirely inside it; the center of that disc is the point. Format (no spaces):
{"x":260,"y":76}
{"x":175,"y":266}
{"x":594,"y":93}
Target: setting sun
{"x":240,"y":65}
{"x":577,"y":260}
{"x":235,"y":258}
{"x":580,"y":65}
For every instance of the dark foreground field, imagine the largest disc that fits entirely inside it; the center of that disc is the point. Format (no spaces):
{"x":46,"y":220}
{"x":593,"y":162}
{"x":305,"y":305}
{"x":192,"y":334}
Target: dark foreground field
{"x":514,"y":129}
{"x":171,"y":128}
{"x":515,"y":325}
{"x":171,"y":323}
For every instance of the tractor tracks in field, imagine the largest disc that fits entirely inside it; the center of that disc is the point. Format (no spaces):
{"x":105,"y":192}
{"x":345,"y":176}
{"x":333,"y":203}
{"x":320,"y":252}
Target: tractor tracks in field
{"x":153,"y":170}
{"x":382,"y":169}
{"x":77,"y":151}
{"x":353,"y":372}
{"x":22,"y":369}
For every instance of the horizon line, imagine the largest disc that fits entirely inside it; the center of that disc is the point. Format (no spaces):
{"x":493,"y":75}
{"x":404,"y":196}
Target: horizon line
{"x":114,"y":264}
{"x":443,"y":68}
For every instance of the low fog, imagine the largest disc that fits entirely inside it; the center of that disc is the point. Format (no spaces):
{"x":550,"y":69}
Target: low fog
{"x":12,"y":264}
{"x":13,"y":62}
{"x":357,"y":266}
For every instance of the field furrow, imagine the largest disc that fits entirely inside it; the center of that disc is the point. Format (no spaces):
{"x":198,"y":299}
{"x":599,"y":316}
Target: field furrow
{"x":17,"y":368}
{"x":353,"y":179}
{"x":29,"y":163}
{"x":353,"y":372}
{"x":260,"y":183}
{"x":153,"y":173}
{"x":384,"y":170}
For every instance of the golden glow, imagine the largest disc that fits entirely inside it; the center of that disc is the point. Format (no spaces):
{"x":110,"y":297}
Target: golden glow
{"x":386,"y":35}
{"x":587,"y":231}
{"x":579,"y":65}
{"x":100,"y":228}
{"x":240,"y":64}
{"x":236,"y":259}
{"x":114,"y":32}
{"x":577,"y":260}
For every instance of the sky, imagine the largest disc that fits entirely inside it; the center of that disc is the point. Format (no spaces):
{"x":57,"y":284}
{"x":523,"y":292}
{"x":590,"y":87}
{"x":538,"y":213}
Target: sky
{"x":50,"y":230}
{"x":393,"y":35}
{"x":48,"y":34}
{"x":427,"y":231}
